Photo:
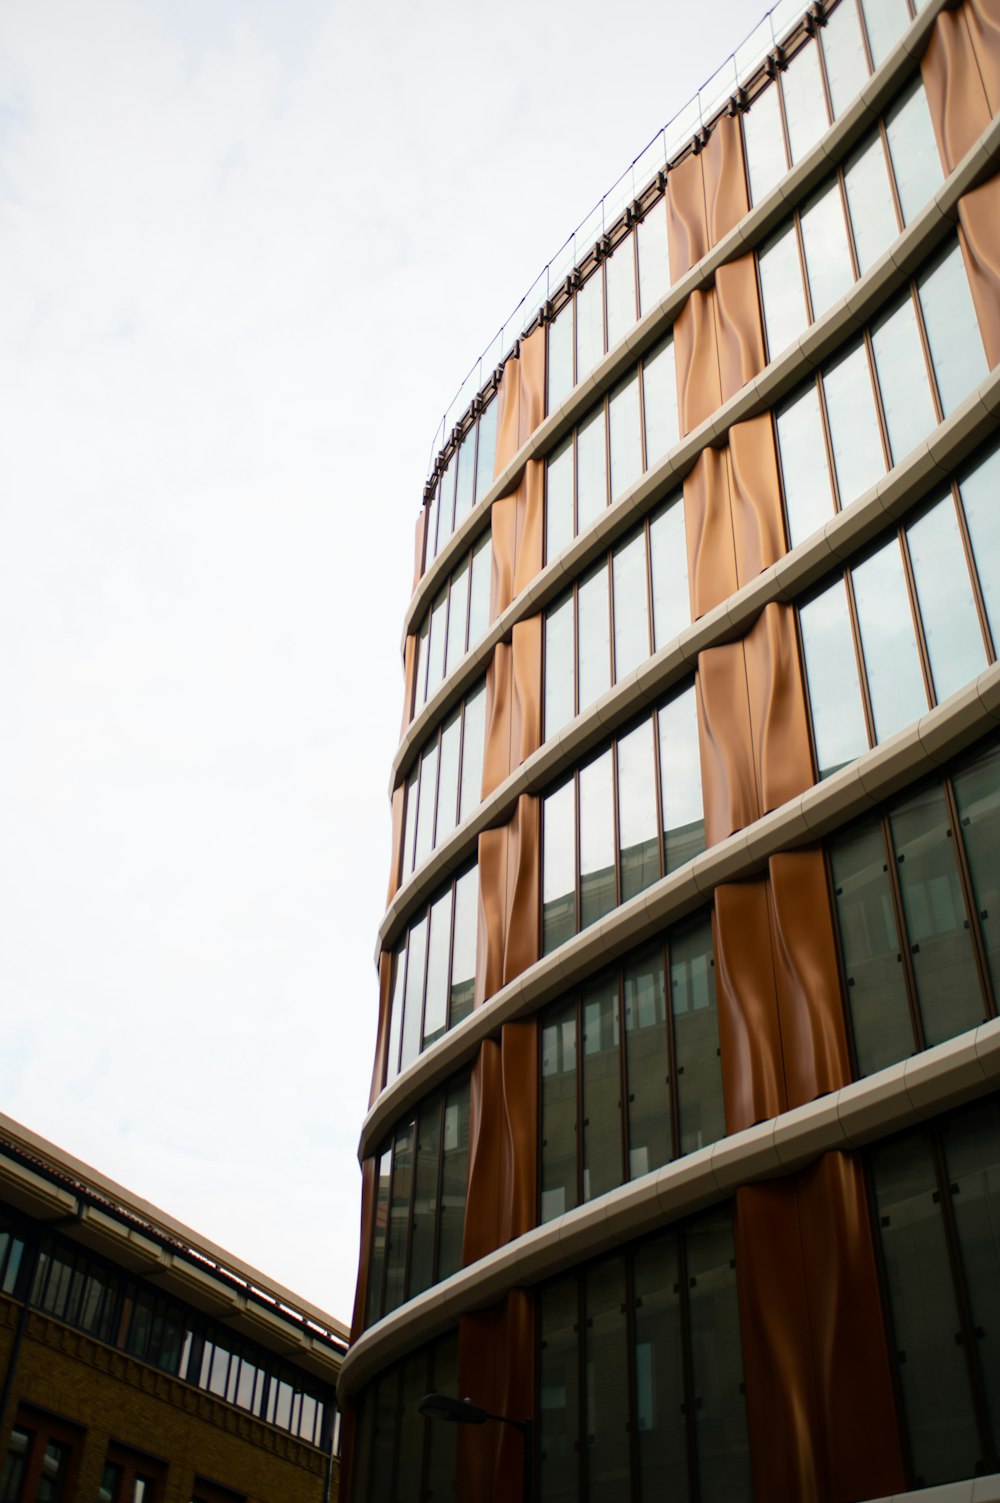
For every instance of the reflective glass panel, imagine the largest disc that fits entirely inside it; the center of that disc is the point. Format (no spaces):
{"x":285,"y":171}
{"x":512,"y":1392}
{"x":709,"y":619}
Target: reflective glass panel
{"x":680,"y":780}
{"x":409,"y":832}
{"x":473,"y":738}
{"x":479,"y":593}
{"x":952,"y":327}
{"x":888,"y":640}
{"x":717,"y":1359}
{"x":869,"y":198}
{"x":602,"y":1148}
{"x":805,"y":101}
{"x":438,"y":950}
{"x":659,"y":1370}
{"x":659,"y":398}
{"x":396,"y":1014}
{"x":944,"y":593}
{"x":886,"y":21}
{"x":560,"y":375}
{"x":628,"y":573}
{"x":649,"y":1135}
{"x":589,"y":324}
{"x":619,"y":270}
{"x":463,"y":950}
{"x":558,"y":1126}
{"x":425,"y":812}
{"x":593,"y":637}
{"x":559,"y":526}
{"x":399,"y":1216}
{"x":854,"y":429}
{"x":843,"y":49}
{"x":781,"y":289}
{"x":559,"y":667}
{"x":416,"y":956}
{"x":902,"y":378}
{"x":916,"y":162}
{"x":669,"y":567}
{"x":425,"y":1198}
{"x":591,"y":476}
{"x":597,"y":840}
{"x":980,"y":489}
{"x":828,"y":258}
{"x":696,"y":1035}
{"x":804,"y":471}
{"x":977,"y":794}
{"x":558,"y":867}
{"x":465,"y":484}
{"x":832,"y":677}
{"x":608,"y":1440}
{"x":446,"y":505}
{"x":626,"y":436}
{"x":447,"y":806}
{"x":559,"y":1392}
{"x":486,"y":451}
{"x":654,"y":269}
{"x":454,"y":1176}
{"x":420,"y":666}
{"x":639,"y":846}
{"x":765,"y":143}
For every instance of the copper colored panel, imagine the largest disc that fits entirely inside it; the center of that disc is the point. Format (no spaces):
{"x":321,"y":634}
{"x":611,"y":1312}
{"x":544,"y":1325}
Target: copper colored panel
{"x":687,"y":233}
{"x":955,"y":94}
{"x":409,"y":674}
{"x":708,"y":526}
{"x":508,"y":416}
{"x":758,"y":523}
{"x":785,"y":1427}
{"x":810,"y":1007}
{"x":419,"y":543}
{"x":778,"y":712}
{"x":729,"y":787}
{"x":496,"y":1369}
{"x":486,"y":1131}
{"x":503,"y":1120}
{"x":499,"y":697}
{"x":492,"y":913}
{"x":698,"y":390}
{"x":368,"y":1172}
{"x":978,"y":216}
{"x":853,"y":1370}
{"x":522,"y":937}
{"x":726,"y":199}
{"x":531,"y":368}
{"x":983,"y":17}
{"x":382,"y":1033}
{"x":530,"y":525}
{"x":740,"y":329}
{"x":398,"y":801}
{"x":749,"y":1032}
{"x":503,"y":525}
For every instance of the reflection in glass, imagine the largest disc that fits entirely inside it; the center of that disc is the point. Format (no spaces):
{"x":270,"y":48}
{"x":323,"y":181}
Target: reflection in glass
{"x":638,"y":843}
{"x":399,"y":1217}
{"x":902,"y":379}
{"x":589,"y":324}
{"x":654,"y":269}
{"x":659,"y":400}
{"x":608,"y":1441}
{"x":916,"y":162}
{"x":454,"y":1177}
{"x":980,"y":488}
{"x":425,"y":812}
{"x":447,"y":804}
{"x":869,"y":197}
{"x":597,"y":840}
{"x":395,"y":1014}
{"x":649,"y":1136}
{"x":409,"y":832}
{"x":486,"y":451}
{"x":559,"y":528}
{"x":559,"y":667}
{"x":717,"y":1358}
{"x":628,"y":573}
{"x":463,"y":950}
{"x":626,"y":437}
{"x":425,"y":1198}
{"x":952,"y":327}
{"x":458,"y":611}
{"x":619,"y":271}
{"x":669,"y":567}
{"x":844,"y":52}
{"x":781,"y":290}
{"x":560,"y":375}
{"x":473,"y":739}
{"x":888,"y":640}
{"x":696,"y":1035}
{"x":944,"y":593}
{"x":594,"y":637}
{"x":832,"y":678}
{"x":479,"y":591}
{"x":438,"y":951}
{"x":659,"y":1369}
{"x":602,"y":1165}
{"x":828,"y":258}
{"x":977,"y":794}
{"x":558,"y":867}
{"x":854,"y":431}
{"x":765,"y":143}
{"x":558,"y":1110}
{"x":680,"y":780}
{"x":808,"y":498}
{"x":591,"y":477}
{"x":886,"y":21}
{"x":805,"y":101}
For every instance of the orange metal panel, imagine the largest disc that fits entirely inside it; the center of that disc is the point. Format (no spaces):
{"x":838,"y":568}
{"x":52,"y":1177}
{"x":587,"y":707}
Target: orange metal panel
{"x":726,"y":199}
{"x":729,"y":785}
{"x":699,"y":391}
{"x":409,"y":674}
{"x":398,"y":801}
{"x":956,"y":97}
{"x":687,"y":230}
{"x":508,"y":416}
{"x":778,"y":714}
{"x":739,"y":328}
{"x":758,"y":523}
{"x":978,"y":216}
{"x":708,"y":525}
{"x":531,"y":377}
{"x":753,"y":1086}
{"x":419,"y":543}
{"x":382,"y":1034}
{"x":983,"y":17}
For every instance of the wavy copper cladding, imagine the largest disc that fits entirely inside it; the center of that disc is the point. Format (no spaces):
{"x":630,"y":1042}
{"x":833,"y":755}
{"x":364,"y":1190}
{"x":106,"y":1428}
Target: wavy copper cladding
{"x":368,"y":1173}
{"x":758,"y":522}
{"x":983,"y":17}
{"x":486,"y":1132}
{"x":729,"y":786}
{"x":382,"y":1032}
{"x":726,"y":199}
{"x":496,"y":1368}
{"x":499,"y":697}
{"x":398,"y":801}
{"x":739,"y":329}
{"x":778,"y":714}
{"x":749,"y":1032}
{"x":956,"y":97}
{"x":522,"y":937}
{"x":847,"y":1331}
{"x":782,"y":1403}
{"x":978,"y":216}
{"x":508,"y":413}
{"x":810,"y":1010}
{"x":708,"y":526}
{"x":503,"y":527}
{"x":687,"y":229}
{"x":530,"y":530}
{"x":531,"y":379}
{"x":697,"y":361}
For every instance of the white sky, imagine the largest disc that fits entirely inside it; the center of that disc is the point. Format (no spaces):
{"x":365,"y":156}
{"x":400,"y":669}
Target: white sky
{"x":248,"y":250}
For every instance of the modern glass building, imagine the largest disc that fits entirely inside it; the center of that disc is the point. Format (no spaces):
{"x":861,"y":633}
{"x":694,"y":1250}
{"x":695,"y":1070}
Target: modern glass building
{"x":684,"y":1136}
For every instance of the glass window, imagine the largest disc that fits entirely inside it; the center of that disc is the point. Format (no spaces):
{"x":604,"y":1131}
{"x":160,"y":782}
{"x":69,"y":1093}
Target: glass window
{"x":594,"y":637}
{"x":828,"y":258}
{"x":447,"y":805}
{"x":869,"y":197}
{"x":972,"y":1153}
{"x":479,"y":592}
{"x":628,"y":573}
{"x":591,"y":473}
{"x":458,"y":612}
{"x":399,"y":1219}
{"x":781,"y":290}
{"x":465,"y":484}
{"x":886,"y":21}
{"x":937,"y":928}
{"x":626,"y":437}
{"x":844,"y":51}
{"x":558,"y":867}
{"x":420,"y":666}
{"x":913,"y":149}
{"x":597,"y":840}
{"x":892,"y":662}
{"x":607,"y":1432}
{"x":416,"y":955}
{"x":425,"y":812}
{"x":425,"y":1197}
{"x":659,"y":401}
{"x":944,"y":592}
{"x":980,"y":488}
{"x":559,"y":1392}
{"x":765,"y":143}
{"x":717,"y":1358}
{"x":559,"y":528}
{"x":473,"y":740}
{"x":454,"y":1178}
{"x":902,"y":378}
{"x":638,"y":842}
{"x":486,"y":452}
{"x":589,"y":324}
{"x":654,"y":266}
{"x":669,"y":567}
{"x":858,"y":456}
{"x":396,"y":1014}
{"x":805,"y":101}
{"x":560,"y":370}
{"x":446,"y":505}
{"x":436,"y":650}
{"x":696,"y":1036}
{"x":619,"y":271}
{"x":559,"y":1127}
{"x":806,"y":478}
{"x":952,"y":327}
{"x":559,"y":667}
{"x":869,"y":943}
{"x":832,"y":677}
{"x":659,"y":1370}
{"x":438,"y":950}
{"x":680,"y":780}
{"x":463,"y":953}
{"x":649,"y":1136}
{"x":977,"y":794}
{"x":602,"y":1163}
{"x":433,"y":507}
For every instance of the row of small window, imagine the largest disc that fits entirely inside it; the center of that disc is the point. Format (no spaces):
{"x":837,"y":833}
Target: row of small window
{"x":466,"y":479}
{"x":814,"y":88}
{"x":630,"y":605}
{"x":399,"y":1456}
{"x":880,"y":397}
{"x":630,"y":1071}
{"x":434,"y":973}
{"x":455,"y":622}
{"x":418,"y":1217}
{"x":917,"y":898}
{"x":636,"y":424}
{"x":96,"y":1298}
{"x":853,"y":218}
{"x":446,"y":784}
{"x":635,"y":276}
{"x":43,"y":1463}
{"x":909,"y":625}
{"x":624,"y":819}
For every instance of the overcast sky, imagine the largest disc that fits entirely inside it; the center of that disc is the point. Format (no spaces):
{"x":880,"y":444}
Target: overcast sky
{"x":248,"y":250}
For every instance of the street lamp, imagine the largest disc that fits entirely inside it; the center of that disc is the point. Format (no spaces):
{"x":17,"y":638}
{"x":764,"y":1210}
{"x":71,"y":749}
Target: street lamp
{"x":462,"y":1412}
